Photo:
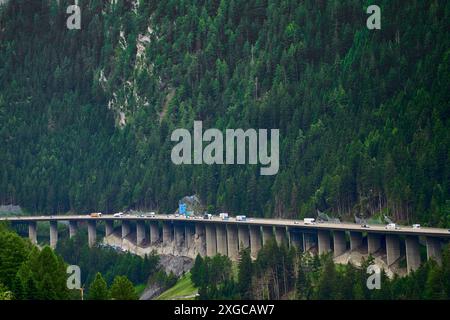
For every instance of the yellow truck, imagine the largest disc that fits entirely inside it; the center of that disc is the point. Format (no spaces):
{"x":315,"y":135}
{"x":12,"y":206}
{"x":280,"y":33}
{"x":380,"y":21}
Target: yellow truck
{"x":96,"y":214}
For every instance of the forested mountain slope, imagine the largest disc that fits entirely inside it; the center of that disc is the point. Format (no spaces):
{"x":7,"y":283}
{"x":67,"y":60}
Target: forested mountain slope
{"x":86,"y":115}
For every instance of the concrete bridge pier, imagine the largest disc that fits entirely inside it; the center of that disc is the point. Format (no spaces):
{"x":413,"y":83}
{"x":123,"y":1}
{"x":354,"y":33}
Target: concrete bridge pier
{"x":392,"y":249}
{"x":255,"y":241}
{"x":339,"y":243}
{"x":200,"y":238}
{"x":167,"y":233}
{"x":140,"y":232}
{"x":243,"y":236}
{"x":73,"y":228}
{"x":267,"y":234}
{"x":92,"y":233}
{"x":199,"y":229}
{"x":412,"y":253}
{"x":355,"y":240}
{"x":126,"y":229}
{"x":295,"y":239}
{"x":221,"y":235}
{"x":280,"y":235}
{"x":154,"y":232}
{"x":109,"y":227}
{"x":188,"y":235}
{"x":178,"y":235}
{"x":32,"y":231}
{"x":323,"y":238}
{"x":232,"y":241}
{"x":53,"y":233}
{"x":308,"y":241}
{"x":373,"y":242}
{"x":434,"y":249}
{"x":211,"y":240}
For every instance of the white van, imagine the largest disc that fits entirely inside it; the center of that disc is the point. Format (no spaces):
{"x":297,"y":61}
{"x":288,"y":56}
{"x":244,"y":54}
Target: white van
{"x":223,"y":216}
{"x":391,"y":226}
{"x":309,"y":221}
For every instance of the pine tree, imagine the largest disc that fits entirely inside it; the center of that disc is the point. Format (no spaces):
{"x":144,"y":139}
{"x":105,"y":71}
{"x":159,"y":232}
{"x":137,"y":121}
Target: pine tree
{"x":434,"y":288}
{"x":327,"y":283}
{"x":245,"y":274}
{"x":303,"y":282}
{"x":98,"y":289}
{"x":18,"y":289}
{"x":122,"y":289}
{"x":31,"y":289}
{"x":47,"y":290}
{"x":197,"y":271}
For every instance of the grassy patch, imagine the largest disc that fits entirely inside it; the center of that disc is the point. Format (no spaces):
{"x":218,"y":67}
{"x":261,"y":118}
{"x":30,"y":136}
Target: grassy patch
{"x":139,"y":289}
{"x":184,"y":287}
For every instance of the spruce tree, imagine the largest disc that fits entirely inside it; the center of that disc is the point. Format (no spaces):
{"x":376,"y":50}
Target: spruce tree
{"x":245,"y":274}
{"x":122,"y":289}
{"x":98,"y":290}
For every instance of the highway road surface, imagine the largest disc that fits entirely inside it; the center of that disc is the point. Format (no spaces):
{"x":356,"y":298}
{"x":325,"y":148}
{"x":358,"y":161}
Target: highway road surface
{"x":343,"y":226}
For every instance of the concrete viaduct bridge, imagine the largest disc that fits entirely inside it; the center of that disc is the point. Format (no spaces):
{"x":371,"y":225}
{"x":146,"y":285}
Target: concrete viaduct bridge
{"x":227,"y":237}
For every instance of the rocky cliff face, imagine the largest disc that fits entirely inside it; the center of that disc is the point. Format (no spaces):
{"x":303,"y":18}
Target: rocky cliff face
{"x":172,"y":258}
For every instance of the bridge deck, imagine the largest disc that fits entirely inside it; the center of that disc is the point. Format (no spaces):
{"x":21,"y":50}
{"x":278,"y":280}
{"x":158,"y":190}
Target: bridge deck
{"x":404,"y":230}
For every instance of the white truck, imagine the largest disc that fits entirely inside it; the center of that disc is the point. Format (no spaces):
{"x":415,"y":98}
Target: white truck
{"x":207,"y":216}
{"x":241,"y":218}
{"x":223,"y":216}
{"x":309,"y":221}
{"x":391,"y":226}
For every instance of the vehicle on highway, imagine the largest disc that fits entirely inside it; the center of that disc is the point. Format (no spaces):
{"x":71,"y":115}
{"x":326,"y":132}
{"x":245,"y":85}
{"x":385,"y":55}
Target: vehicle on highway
{"x":296,"y":222}
{"x":207,"y":216}
{"x":241,"y":218}
{"x":118,"y":214}
{"x":152,"y":214}
{"x":309,"y":221}
{"x":365,"y":225}
{"x":224,"y":216}
{"x":96,"y":214}
{"x":416,"y":226}
{"x":391,"y":226}
{"x":176,"y":215}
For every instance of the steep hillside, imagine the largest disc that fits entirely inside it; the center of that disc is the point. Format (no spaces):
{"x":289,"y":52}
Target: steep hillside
{"x":86,"y":115}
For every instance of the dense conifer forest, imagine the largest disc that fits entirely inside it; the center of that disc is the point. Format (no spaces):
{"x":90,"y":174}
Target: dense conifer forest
{"x":86,"y":115}
{"x":282,"y":273}
{"x":30,"y":272}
